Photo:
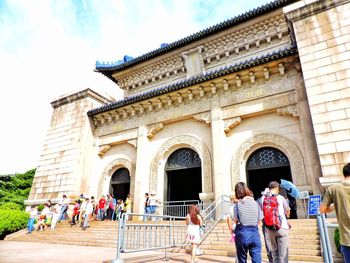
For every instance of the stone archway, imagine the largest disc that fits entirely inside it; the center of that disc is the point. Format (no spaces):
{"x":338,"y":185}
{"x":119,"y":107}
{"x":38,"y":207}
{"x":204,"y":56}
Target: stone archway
{"x":172,"y":144}
{"x":110,"y":169}
{"x":238,"y":165}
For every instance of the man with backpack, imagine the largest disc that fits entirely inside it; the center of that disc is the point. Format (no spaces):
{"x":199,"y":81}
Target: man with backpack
{"x":260,"y":200}
{"x":339,"y":195}
{"x":276,"y":211}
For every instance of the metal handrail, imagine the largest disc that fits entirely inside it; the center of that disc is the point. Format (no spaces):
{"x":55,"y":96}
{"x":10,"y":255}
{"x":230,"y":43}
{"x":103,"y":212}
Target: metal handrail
{"x":183,"y":201}
{"x":132,"y":237}
{"x":213,"y":203}
{"x":136,"y":237}
{"x":214,"y":213}
{"x":177,"y":208}
{"x":324,"y":236}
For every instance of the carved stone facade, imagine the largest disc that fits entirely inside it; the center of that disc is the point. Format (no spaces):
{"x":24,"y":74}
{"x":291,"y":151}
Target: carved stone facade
{"x":223,"y":95}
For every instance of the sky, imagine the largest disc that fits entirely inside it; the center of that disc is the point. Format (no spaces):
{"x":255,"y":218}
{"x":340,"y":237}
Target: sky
{"x":49,"y":48}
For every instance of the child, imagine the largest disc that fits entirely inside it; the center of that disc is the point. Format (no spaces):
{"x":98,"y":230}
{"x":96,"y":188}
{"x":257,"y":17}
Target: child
{"x":32,"y":216}
{"x":76,"y":211}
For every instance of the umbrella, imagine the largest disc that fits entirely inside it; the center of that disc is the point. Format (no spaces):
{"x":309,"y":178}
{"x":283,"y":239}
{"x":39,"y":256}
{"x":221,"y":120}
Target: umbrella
{"x":290,"y":188}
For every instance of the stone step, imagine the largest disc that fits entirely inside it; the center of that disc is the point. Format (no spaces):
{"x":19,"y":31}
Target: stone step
{"x":303,"y":238}
{"x":304,"y":258}
{"x":311,"y":246}
{"x":73,"y":242}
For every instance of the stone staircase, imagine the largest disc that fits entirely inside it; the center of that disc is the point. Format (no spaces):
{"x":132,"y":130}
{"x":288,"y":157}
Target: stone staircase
{"x":99,"y":234}
{"x":304,"y":241}
{"x":303,"y":238}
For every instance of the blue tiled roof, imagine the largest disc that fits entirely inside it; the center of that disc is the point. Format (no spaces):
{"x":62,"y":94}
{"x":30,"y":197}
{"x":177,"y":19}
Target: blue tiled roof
{"x":107,"y":68}
{"x":195,"y":80}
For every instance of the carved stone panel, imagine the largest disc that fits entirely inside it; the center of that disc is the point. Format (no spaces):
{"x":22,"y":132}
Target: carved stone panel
{"x":193,"y":61}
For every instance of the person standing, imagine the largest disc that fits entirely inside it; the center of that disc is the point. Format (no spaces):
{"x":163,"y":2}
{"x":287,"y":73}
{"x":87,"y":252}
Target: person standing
{"x":339,"y":196}
{"x":88,"y":211}
{"x":32,"y":216}
{"x":127,"y":206}
{"x":153,"y":204}
{"x":278,"y":233}
{"x":101,"y":208}
{"x":267,"y":241}
{"x":147,"y":208}
{"x":55,"y":211}
{"x":247,"y":215}
{"x":64,"y":209}
{"x":193,"y":222}
{"x":76,"y":212}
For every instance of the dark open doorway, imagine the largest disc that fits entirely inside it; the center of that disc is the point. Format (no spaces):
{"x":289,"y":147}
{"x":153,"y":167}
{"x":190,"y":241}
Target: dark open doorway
{"x":184,"y":184}
{"x":265,"y":165}
{"x":183,"y":175}
{"x":120,"y":183}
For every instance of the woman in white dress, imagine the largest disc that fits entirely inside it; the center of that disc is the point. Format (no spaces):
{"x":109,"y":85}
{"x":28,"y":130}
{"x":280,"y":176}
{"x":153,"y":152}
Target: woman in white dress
{"x":193,"y":222}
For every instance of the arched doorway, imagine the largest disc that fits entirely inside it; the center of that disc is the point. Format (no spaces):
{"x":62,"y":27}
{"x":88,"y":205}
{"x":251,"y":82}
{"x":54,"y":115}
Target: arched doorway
{"x":120,"y":183}
{"x":183,"y":175}
{"x":265,"y":165}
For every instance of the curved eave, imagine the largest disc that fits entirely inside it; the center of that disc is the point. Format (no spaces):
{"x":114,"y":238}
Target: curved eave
{"x":195,"y":80}
{"x":196,"y":36}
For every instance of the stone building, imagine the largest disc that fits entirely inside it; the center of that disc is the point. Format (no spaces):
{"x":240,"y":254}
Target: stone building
{"x":263,"y":96}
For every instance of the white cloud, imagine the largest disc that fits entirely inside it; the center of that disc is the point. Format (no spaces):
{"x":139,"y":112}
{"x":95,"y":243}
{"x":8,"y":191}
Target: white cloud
{"x":48,"y":48}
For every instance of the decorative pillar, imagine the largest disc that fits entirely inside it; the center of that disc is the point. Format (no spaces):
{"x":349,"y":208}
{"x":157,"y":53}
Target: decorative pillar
{"x":142,"y":170}
{"x":222,"y":181}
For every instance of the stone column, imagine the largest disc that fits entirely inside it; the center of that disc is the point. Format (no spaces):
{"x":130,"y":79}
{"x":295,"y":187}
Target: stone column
{"x":222,"y":181}
{"x":142,"y":171}
{"x":312,"y":159}
{"x":323,"y":38}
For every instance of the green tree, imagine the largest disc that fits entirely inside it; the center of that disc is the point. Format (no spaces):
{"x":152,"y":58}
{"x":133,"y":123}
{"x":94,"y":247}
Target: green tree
{"x":14,"y":189}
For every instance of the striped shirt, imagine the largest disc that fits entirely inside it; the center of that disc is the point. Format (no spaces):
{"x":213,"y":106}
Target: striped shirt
{"x":247,"y":212}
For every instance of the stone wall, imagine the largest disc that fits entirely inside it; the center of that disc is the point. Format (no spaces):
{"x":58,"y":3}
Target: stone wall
{"x":322,"y":34}
{"x":64,"y":162}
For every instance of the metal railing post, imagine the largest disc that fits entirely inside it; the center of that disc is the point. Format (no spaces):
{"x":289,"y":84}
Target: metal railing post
{"x":328,"y":243}
{"x":323,"y":240}
{"x":121,"y":229}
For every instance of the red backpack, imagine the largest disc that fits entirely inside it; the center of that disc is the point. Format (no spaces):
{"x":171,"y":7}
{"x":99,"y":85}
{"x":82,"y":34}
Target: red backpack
{"x":272,"y":219}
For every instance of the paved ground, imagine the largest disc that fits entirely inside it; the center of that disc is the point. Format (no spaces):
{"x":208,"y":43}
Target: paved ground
{"x":15,"y":252}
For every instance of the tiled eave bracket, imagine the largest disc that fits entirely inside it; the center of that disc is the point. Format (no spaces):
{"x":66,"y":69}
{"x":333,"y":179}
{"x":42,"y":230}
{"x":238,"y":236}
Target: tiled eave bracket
{"x":109,"y":68}
{"x":228,"y":81}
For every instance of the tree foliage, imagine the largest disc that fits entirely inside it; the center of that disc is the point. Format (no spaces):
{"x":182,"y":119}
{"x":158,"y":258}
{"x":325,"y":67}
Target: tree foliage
{"x":337,"y":239}
{"x":11,"y":221}
{"x":15,"y":188}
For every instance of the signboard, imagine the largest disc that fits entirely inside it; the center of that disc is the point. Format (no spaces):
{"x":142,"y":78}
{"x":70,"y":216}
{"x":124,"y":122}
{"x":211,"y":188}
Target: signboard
{"x":314,"y":204}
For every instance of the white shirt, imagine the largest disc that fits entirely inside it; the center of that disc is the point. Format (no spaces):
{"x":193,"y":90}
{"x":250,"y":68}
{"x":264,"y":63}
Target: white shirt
{"x":89,"y":208}
{"x":152,"y":200}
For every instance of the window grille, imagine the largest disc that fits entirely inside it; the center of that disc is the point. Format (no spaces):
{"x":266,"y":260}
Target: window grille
{"x":267,"y":158}
{"x":183,"y":159}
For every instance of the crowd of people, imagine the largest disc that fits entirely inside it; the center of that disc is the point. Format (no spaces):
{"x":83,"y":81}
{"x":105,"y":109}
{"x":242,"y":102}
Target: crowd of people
{"x":271,"y":209}
{"x":85,"y":209}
